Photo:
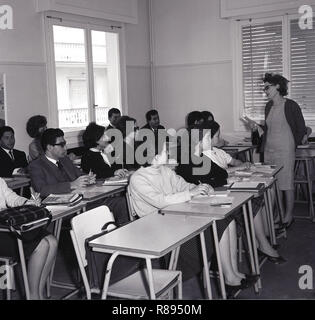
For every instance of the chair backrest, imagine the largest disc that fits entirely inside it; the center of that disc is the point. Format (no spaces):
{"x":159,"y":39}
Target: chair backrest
{"x":86,"y":225}
{"x":132,"y":213}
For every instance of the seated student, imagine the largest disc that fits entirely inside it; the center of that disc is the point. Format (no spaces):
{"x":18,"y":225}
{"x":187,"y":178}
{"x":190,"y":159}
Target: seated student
{"x":54,"y":173}
{"x":113,"y":117}
{"x":129,"y":130}
{"x":217,"y":177}
{"x":10,"y":158}
{"x":157,"y":186}
{"x":96,"y":159}
{"x":153,"y":123}
{"x":194,"y":118}
{"x":35,"y":126}
{"x":40,"y":247}
{"x":208,"y":116}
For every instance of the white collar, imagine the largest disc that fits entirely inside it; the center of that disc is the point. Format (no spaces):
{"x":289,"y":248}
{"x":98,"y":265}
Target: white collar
{"x":103,"y":154}
{"x":51,"y":160}
{"x":7,"y":151}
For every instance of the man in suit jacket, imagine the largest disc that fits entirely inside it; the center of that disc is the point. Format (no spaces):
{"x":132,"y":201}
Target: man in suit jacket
{"x":113,"y":117}
{"x":10,"y":158}
{"x":54,"y":172}
{"x":153,"y":123}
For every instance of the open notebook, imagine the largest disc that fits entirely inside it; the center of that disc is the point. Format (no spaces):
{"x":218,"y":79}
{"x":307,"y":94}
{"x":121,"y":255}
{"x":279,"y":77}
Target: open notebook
{"x":247,"y":186}
{"x":116,"y":181}
{"x":69,"y":199}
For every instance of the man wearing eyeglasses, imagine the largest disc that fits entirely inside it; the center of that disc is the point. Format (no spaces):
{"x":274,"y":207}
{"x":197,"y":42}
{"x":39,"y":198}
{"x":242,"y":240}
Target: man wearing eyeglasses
{"x":54,"y":172}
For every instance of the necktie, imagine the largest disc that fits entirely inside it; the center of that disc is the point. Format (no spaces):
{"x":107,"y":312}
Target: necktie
{"x":11,"y":155}
{"x":63,"y":172}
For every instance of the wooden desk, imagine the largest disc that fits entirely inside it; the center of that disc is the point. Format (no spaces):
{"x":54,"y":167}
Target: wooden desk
{"x":235,"y":150}
{"x":152,"y":237}
{"x":98,"y":191}
{"x":270,"y":181}
{"x":17,"y":183}
{"x":205,"y":210}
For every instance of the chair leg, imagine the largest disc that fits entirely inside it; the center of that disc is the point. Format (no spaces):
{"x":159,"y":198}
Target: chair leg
{"x":240,"y":249}
{"x":310,"y":191}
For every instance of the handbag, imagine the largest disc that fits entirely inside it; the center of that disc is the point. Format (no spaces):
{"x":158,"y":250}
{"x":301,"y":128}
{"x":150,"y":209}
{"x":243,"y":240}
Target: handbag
{"x":23,"y":218}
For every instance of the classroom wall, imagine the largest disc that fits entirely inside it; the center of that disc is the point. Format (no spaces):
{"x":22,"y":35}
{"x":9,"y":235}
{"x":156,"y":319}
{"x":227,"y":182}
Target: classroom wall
{"x":23,"y":60}
{"x":138,"y":64}
{"x":193,"y":61}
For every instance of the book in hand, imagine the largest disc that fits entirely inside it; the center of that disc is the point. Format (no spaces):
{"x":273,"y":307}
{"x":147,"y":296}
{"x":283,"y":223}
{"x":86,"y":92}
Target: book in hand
{"x":116,"y":181}
{"x":68,"y":199}
{"x":250,"y":186}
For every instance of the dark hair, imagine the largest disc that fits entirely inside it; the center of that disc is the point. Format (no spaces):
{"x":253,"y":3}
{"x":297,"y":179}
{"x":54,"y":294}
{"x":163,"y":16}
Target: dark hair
{"x":150,"y":114}
{"x":122,"y":124}
{"x":92,"y":134}
{"x":277,"y":79}
{"x":5,"y":129}
{"x":206,"y":115}
{"x":192,"y":117}
{"x":207,"y":125}
{"x":112,"y":111}
{"x":34,"y":124}
{"x":49,"y":137}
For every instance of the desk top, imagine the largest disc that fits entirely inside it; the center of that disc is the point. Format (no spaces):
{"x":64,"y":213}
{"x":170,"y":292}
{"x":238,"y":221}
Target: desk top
{"x":17,"y":182}
{"x":238,"y":149}
{"x":154,"y":234}
{"x":205,"y":210}
{"x":59,"y":212}
{"x":98,"y":191}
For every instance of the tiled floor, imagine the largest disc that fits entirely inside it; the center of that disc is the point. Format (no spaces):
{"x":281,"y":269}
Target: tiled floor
{"x":278,"y":281}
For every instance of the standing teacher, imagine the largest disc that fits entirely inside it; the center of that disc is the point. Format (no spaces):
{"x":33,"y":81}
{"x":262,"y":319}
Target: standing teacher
{"x":283,"y":131}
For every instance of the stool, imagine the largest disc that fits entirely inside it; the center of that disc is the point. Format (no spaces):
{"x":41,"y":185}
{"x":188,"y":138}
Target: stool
{"x":301,"y":178}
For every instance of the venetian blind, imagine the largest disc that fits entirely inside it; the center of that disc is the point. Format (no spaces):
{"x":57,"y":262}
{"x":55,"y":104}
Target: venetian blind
{"x":261,"y":53}
{"x":303,"y":68}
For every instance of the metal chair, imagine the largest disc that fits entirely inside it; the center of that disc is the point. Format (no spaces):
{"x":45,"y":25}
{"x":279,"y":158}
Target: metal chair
{"x":134,"y":286}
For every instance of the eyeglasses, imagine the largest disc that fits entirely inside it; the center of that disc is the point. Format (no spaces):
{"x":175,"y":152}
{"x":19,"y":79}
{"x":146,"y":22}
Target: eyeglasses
{"x":268,"y":87}
{"x":61,"y":144}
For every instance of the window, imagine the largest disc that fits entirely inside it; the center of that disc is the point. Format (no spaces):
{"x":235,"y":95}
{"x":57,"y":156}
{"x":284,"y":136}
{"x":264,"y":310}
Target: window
{"x":275,"y":45}
{"x":303,"y":68}
{"x":261,"y":52}
{"x":85,"y":79}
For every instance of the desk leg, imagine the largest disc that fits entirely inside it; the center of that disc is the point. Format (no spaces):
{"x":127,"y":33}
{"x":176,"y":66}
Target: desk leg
{"x":174,"y":258}
{"x":280,"y":206}
{"x":205,"y":264}
{"x":267,"y":208}
{"x":252,"y":229}
{"x":150,"y":275}
{"x":217,"y":251}
{"x":24,"y":270}
{"x":251,"y":156}
{"x":272,"y":225}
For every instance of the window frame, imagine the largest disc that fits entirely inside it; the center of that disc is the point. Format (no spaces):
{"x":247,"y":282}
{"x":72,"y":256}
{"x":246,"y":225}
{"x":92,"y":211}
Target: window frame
{"x":238,"y":88}
{"x":74,"y":137}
